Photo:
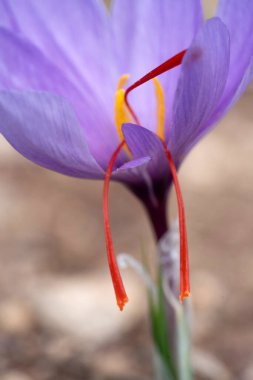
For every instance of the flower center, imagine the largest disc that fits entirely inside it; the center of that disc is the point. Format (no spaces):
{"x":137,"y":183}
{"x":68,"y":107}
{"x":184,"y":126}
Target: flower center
{"x":124,"y":113}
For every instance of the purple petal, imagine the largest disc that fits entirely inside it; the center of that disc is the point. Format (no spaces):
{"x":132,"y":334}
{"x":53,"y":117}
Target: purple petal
{"x":76,"y":36}
{"x":133,"y":164}
{"x":23,"y":66}
{"x":144,"y":143}
{"x":131,"y":172}
{"x":74,"y":33}
{"x":201,"y":84}
{"x":44,"y":129}
{"x":247,"y":78}
{"x":145,"y":36}
{"x":238,"y":17}
{"x":221,"y":111}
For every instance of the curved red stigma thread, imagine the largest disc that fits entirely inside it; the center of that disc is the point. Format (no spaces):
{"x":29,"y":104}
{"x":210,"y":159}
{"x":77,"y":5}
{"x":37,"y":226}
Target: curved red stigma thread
{"x":172,"y":62}
{"x":119,"y":289}
{"x":184,"y":261}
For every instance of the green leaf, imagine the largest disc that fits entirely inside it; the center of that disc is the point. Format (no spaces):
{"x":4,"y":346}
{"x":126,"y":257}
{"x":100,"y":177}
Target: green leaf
{"x":160,"y":335}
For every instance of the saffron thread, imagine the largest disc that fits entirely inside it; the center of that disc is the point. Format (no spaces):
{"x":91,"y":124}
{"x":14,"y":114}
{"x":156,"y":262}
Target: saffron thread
{"x":119,"y":289}
{"x":184,"y":260}
{"x":118,"y":285}
{"x":172,"y":62}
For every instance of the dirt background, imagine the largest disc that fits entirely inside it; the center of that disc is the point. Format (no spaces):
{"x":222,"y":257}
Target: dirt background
{"x":58,"y":318}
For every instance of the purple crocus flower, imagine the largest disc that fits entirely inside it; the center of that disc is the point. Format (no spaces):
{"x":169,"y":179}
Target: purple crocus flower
{"x":59,"y":69}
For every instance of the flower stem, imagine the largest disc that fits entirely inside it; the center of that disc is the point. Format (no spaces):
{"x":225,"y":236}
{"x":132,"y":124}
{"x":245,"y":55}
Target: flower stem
{"x":174,"y":332}
{"x":155,"y":206}
{"x":158,"y":218}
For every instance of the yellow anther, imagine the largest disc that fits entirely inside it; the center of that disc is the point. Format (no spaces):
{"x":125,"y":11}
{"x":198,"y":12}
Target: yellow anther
{"x":121,"y":113}
{"x":122,"y":81}
{"x":160,"y":108}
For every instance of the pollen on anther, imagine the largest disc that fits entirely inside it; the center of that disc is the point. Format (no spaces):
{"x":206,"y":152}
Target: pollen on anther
{"x":160,"y":108}
{"x":120,"y":110}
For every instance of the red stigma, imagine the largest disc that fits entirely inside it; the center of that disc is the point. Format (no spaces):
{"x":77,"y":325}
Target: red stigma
{"x":119,"y":289}
{"x":172,"y":62}
{"x":184,"y":262}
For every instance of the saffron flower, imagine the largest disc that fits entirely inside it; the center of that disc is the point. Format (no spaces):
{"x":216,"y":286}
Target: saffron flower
{"x":80,"y":93}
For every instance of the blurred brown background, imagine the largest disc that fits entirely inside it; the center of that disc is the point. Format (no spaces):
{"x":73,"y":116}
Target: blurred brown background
{"x":58,"y":318}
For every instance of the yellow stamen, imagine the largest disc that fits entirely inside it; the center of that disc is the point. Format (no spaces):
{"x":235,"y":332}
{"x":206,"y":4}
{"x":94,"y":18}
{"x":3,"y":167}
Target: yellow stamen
{"x":122,"y":81}
{"x":121,"y":113}
{"x":160,"y":108}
